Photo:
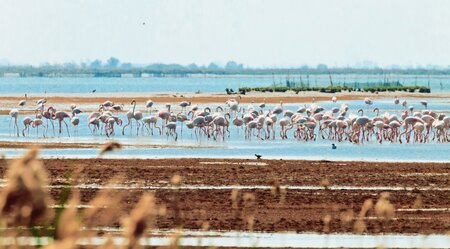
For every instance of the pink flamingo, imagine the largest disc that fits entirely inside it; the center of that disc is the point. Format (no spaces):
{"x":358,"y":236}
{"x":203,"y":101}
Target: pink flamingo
{"x":149,"y":122}
{"x":38,"y":122}
{"x":110,"y":122}
{"x":136,"y":115}
{"x":61,"y":116}
{"x":181,"y":118}
{"x":27,"y":121}
{"x":284,"y":122}
{"x":238,"y":122}
{"x":172,"y":130}
{"x":164,"y":116}
{"x":184,"y":104}
{"x":94,"y":121}
{"x":48,"y":116}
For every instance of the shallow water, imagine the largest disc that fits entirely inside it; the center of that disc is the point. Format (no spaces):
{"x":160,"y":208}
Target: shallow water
{"x":237,"y":147}
{"x":41,"y":85}
{"x":274,"y":240}
{"x":243,"y":187}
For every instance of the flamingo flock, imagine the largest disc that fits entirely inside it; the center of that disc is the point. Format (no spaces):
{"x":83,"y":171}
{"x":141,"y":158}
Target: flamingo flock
{"x":307,"y":123}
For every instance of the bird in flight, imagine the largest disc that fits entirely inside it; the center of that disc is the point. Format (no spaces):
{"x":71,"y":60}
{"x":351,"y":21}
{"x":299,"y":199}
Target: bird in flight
{"x":94,"y":90}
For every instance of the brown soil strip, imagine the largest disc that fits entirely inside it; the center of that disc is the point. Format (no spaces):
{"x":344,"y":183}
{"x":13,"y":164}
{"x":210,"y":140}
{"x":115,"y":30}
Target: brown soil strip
{"x":294,"y":210}
{"x":288,"y":97}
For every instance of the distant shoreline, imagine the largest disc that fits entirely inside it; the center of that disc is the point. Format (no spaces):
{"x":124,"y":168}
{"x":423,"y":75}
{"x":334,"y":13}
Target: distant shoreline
{"x":304,"y":75}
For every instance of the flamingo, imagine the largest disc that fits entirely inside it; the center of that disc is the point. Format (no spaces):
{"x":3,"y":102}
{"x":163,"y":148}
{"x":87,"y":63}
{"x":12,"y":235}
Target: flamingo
{"x":136,"y":115}
{"x":171,"y":130}
{"x":118,"y":108}
{"x":38,"y":122}
{"x":149,"y":105}
{"x":199,"y":123}
{"x":284,"y":122}
{"x":181,"y":118}
{"x":61,"y":116}
{"x":396,"y":100}
{"x":75,"y":120}
{"x":110,"y":122}
{"x":404,"y":103}
{"x":194,"y":108}
{"x":220,"y":121}
{"x":184,"y":104}
{"x":233,"y":106}
{"x":27,"y":121}
{"x":95,"y":122}
{"x":270,"y":127}
{"x":48,"y":115}
{"x":107,"y":104}
{"x":14,"y":114}
{"x":41,"y":101}
{"x":238,"y":122}
{"x":149,"y":121}
{"x":278,"y":109}
{"x":24,"y":101}
{"x":368,"y":101}
{"x":424,"y":103}
{"x":263,"y":104}
{"x":249,"y":127}
{"x":164,"y":115}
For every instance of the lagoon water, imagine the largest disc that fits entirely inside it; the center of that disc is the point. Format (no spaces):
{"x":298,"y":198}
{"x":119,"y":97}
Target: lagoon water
{"x":42,"y":85}
{"x":237,"y":147}
{"x":265,"y":240}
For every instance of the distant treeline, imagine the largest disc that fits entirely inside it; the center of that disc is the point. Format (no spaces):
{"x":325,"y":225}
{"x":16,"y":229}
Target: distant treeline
{"x":114,"y":68}
{"x":23,"y":71}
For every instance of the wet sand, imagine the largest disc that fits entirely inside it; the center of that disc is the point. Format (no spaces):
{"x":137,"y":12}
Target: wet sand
{"x":300,"y":210}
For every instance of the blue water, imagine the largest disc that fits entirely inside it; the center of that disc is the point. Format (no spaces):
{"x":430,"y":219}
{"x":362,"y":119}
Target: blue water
{"x":41,"y":85}
{"x":237,"y":147}
{"x":262,"y":240}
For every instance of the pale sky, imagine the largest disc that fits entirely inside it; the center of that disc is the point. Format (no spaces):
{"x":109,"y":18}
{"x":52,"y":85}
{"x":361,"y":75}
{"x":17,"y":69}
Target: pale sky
{"x":256,"y":33}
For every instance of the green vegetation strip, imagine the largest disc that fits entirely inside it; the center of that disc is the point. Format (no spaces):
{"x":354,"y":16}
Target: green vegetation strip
{"x":333,"y":89}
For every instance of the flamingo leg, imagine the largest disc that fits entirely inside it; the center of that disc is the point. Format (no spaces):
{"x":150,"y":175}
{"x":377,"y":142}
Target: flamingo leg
{"x":17,"y":126}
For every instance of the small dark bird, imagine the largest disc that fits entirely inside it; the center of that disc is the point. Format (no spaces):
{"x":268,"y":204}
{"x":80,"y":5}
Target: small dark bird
{"x":258,"y":156}
{"x":333,"y":146}
{"x":143,"y":23}
{"x":94,"y":90}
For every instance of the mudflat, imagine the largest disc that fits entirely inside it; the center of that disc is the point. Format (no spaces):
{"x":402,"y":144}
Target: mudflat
{"x":268,"y":195}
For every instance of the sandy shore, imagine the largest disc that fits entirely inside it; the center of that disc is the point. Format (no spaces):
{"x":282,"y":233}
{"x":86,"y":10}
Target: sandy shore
{"x":300,"y":210}
{"x":91,"y":101}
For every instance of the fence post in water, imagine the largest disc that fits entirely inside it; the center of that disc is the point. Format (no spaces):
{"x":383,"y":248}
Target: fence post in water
{"x":331,"y":81}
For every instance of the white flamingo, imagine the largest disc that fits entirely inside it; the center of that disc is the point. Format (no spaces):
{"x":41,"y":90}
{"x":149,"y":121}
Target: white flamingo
{"x":14,"y":114}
